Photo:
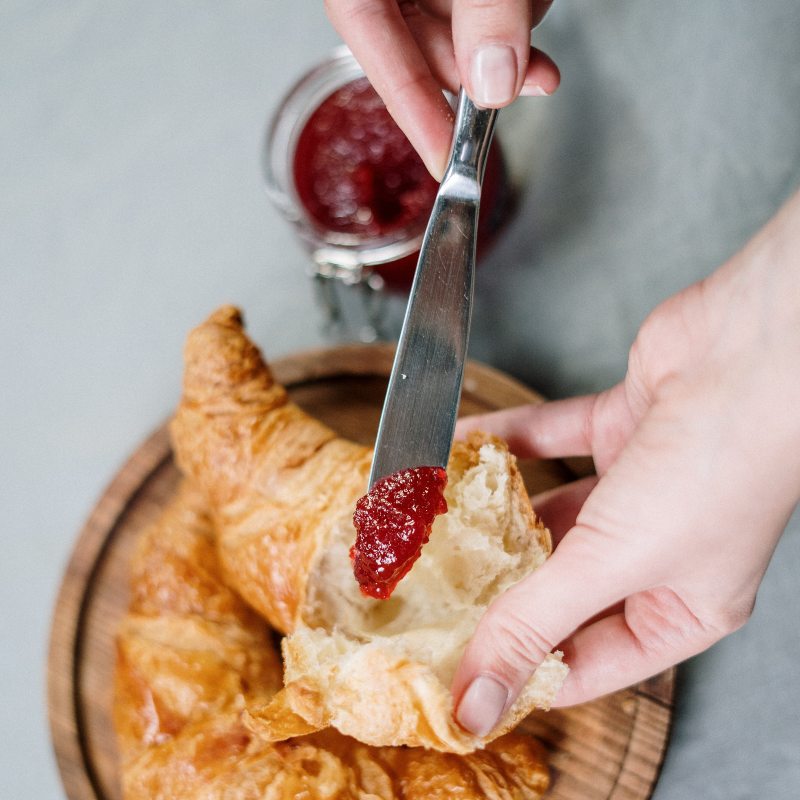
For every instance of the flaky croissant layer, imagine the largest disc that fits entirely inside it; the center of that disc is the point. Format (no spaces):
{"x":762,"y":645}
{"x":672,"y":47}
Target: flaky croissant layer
{"x":282,"y":488}
{"x":191,"y":655}
{"x":273,"y":475}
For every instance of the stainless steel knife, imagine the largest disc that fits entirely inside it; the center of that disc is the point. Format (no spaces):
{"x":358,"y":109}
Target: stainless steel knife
{"x":421,"y":405}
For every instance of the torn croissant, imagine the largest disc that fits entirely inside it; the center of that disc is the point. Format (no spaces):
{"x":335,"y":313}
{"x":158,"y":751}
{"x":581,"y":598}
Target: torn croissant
{"x":282,"y":487}
{"x":191,"y":655}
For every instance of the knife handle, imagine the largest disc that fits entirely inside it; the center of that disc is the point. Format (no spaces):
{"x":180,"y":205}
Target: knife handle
{"x":471,"y":139}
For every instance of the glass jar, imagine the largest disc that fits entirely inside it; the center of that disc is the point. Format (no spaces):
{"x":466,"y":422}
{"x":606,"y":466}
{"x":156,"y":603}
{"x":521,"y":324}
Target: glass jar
{"x":362,"y":214}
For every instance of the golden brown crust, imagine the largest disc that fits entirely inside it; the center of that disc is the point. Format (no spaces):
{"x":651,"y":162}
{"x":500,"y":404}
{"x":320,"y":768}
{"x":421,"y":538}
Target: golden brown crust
{"x":515,"y":763}
{"x":273,"y":474}
{"x":188,"y":646}
{"x":191,"y":654}
{"x":278,"y":481}
{"x":219,"y":759}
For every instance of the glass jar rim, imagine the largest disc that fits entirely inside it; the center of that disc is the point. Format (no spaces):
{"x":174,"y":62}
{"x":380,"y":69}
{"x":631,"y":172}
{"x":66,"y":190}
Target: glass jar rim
{"x":328,"y":249}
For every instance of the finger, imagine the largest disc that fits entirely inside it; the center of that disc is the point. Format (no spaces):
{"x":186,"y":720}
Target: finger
{"x":625,"y":648}
{"x":385,"y":48}
{"x":559,"y":507}
{"x":492,"y":45}
{"x":523,"y":625}
{"x":551,"y":430}
{"x":542,"y":76}
{"x":539,"y":8}
{"x":597,"y":425}
{"x":434,"y":39}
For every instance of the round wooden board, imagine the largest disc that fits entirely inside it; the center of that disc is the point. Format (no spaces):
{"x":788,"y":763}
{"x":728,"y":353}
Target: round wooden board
{"x":611,"y":748}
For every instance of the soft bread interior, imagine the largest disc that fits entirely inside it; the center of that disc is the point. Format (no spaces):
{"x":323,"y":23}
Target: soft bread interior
{"x":381,"y":670}
{"x":483,"y":545}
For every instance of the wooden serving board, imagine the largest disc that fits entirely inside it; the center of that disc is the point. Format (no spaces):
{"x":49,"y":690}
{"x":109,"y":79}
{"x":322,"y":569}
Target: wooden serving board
{"x":611,"y":748}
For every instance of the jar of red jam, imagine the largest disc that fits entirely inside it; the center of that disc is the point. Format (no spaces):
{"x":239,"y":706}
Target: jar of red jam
{"x":339,"y":168}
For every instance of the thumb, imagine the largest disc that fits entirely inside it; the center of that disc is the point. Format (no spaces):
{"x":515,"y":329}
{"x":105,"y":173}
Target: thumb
{"x":525,"y":623}
{"x":492,"y":47}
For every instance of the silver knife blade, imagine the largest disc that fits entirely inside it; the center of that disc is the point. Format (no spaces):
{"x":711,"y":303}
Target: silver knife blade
{"x":421,"y":405}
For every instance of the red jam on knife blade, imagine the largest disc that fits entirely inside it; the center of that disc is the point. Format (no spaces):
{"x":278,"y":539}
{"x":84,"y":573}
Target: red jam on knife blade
{"x":393,"y":521}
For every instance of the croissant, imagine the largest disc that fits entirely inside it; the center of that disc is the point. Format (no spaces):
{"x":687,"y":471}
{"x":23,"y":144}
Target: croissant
{"x":274,"y":476}
{"x":188,"y":647}
{"x":191,"y":654}
{"x":282,"y":487}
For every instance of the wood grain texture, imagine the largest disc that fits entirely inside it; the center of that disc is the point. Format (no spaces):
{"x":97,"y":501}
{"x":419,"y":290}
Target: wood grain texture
{"x":611,"y":748}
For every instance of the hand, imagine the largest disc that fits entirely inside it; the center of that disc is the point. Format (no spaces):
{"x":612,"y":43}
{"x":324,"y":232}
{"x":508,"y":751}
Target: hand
{"x":410,"y":50}
{"x":697,"y":457}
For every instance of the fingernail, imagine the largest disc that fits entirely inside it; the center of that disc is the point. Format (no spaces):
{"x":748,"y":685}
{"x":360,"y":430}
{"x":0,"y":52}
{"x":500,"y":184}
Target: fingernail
{"x":493,"y":74}
{"x":482,"y":705}
{"x":435,"y":166}
{"x":533,"y":91}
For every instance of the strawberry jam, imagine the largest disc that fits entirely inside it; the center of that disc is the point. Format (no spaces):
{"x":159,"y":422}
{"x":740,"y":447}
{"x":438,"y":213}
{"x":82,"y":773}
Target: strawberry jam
{"x":393,"y":521}
{"x":356,"y":172}
{"x":357,"y":176}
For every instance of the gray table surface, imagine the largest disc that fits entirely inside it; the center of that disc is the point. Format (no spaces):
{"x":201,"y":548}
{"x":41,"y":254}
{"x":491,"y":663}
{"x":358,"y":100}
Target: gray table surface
{"x":131,"y":205}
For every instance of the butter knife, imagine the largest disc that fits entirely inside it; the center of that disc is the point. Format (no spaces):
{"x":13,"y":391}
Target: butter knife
{"x":421,"y":405}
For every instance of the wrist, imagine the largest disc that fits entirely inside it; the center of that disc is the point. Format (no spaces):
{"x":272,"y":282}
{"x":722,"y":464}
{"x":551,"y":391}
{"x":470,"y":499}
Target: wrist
{"x":759,"y":288}
{"x":731,"y":345}
{"x":757,"y":329}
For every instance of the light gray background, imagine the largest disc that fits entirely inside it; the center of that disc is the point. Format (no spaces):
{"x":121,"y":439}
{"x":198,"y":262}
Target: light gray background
{"x":131,"y":205}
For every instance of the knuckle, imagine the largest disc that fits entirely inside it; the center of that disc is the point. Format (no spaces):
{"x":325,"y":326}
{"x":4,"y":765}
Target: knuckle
{"x":409,"y":83}
{"x":401,"y":88}
{"x":506,"y":16}
{"x":354,"y":9}
{"x":729,"y":620}
{"x":486,"y":5}
{"x":679,"y":320}
{"x":516,"y":644}
{"x":649,"y":342}
{"x":661,"y":620}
